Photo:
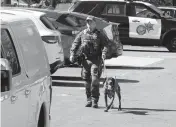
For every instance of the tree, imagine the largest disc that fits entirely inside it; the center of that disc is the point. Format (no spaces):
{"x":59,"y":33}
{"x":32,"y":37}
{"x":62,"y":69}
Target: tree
{"x":160,"y":2}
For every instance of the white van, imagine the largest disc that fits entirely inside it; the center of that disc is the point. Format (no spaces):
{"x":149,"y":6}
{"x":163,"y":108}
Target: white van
{"x":50,"y":36}
{"x":26,"y":88}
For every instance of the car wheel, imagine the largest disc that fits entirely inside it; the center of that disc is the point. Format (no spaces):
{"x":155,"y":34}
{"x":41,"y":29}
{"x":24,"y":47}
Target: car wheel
{"x":171,"y":46}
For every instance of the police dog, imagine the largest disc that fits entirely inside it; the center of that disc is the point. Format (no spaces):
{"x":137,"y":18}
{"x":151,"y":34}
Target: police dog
{"x":111,"y":87}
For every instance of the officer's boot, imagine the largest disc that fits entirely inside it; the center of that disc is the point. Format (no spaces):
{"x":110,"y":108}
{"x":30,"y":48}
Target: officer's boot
{"x":95,"y":96}
{"x":89,"y":100}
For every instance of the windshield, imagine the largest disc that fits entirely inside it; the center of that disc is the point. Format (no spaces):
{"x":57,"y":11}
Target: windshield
{"x":155,"y":8}
{"x":168,"y":12}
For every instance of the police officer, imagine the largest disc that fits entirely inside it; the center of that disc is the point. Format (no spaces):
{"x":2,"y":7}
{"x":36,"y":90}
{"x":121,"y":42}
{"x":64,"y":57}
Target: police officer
{"x":93,"y":45}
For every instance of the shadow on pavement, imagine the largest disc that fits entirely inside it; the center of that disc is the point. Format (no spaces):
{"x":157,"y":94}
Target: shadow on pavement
{"x":125,"y":67}
{"x":69,"y":78}
{"x":142,"y":111}
{"x":126,"y":81}
{"x":137,"y":112}
{"x":68,"y":84}
{"x":69,"y":81}
{"x":147,"y":109}
{"x":132,"y":50}
{"x":134,"y":68}
{"x":123,"y":111}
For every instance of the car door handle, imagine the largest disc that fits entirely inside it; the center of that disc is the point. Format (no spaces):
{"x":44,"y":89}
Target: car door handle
{"x":14,"y":98}
{"x":135,"y":21}
{"x":27,"y":92}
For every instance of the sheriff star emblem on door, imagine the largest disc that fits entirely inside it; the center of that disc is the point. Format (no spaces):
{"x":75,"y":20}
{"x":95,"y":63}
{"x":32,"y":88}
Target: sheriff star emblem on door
{"x":142,"y":29}
{"x":149,"y":26}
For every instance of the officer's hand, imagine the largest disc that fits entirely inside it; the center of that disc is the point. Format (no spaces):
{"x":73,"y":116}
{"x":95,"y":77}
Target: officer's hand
{"x":72,"y":59}
{"x":103,"y":56}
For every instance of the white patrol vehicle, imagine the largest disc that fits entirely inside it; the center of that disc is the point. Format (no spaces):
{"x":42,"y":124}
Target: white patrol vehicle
{"x":135,"y":26}
{"x":51,"y":38}
{"x":26,"y":85}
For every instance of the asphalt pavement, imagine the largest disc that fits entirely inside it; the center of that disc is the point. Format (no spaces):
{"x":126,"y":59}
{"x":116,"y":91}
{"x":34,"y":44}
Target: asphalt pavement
{"x":147,"y":77}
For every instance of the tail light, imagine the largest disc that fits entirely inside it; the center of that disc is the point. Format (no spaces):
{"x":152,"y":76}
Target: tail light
{"x":50,"y":39}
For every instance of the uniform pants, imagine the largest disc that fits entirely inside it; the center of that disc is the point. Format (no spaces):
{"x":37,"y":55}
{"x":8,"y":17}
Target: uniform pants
{"x":91,"y":73}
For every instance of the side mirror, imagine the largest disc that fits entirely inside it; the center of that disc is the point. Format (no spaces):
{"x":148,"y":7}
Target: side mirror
{"x":6,"y":75}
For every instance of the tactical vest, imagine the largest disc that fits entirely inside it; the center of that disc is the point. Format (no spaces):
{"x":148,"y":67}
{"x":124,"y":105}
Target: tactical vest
{"x":90,"y":43}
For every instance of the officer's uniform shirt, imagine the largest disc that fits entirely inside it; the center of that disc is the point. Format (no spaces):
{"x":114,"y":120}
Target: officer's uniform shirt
{"x":92,"y":44}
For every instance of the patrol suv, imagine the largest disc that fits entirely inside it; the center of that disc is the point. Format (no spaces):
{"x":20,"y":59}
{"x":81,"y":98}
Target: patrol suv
{"x":26,"y":84}
{"x":135,"y":27}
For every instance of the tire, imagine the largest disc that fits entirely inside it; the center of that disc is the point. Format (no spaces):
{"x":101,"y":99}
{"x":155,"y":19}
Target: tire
{"x":171,"y":46}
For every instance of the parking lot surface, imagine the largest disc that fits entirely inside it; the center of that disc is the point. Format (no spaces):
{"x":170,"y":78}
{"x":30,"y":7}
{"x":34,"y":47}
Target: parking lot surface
{"x":148,"y":93}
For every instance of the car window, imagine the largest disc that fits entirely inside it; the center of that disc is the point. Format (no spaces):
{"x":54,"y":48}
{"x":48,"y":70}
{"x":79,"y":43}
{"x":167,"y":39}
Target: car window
{"x":114,"y":9}
{"x":47,"y":22}
{"x":72,"y":20}
{"x":31,"y":47}
{"x":142,"y":11}
{"x":84,"y":6}
{"x":168,"y":12}
{"x":76,"y":21}
{"x":9,"y":51}
{"x":4,"y":78}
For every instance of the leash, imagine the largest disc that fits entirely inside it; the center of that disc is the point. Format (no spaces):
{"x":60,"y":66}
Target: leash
{"x":104,"y":69}
{"x":105,"y":73}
